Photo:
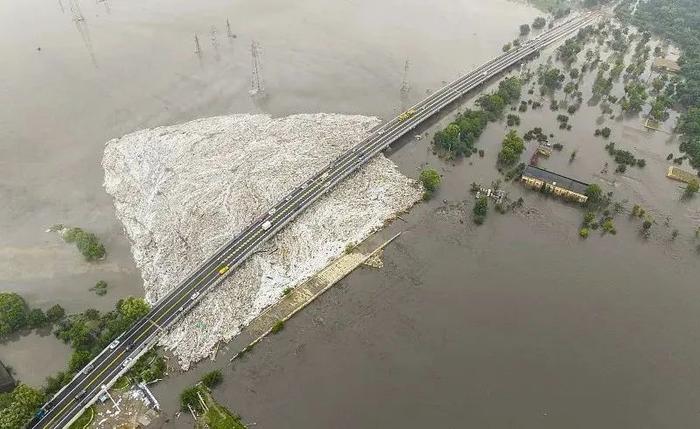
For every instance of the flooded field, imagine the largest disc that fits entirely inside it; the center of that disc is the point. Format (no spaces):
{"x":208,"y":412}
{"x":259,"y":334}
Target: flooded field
{"x":517,"y":323}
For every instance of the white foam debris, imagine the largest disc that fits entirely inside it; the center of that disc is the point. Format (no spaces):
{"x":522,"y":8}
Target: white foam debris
{"x":182,"y":191}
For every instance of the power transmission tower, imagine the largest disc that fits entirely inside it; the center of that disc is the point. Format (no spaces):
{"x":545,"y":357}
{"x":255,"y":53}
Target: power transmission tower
{"x":196,"y":44}
{"x":405,"y":87}
{"x":215,"y":43}
{"x":257,"y":87}
{"x":75,"y":10}
{"x":229,"y":33}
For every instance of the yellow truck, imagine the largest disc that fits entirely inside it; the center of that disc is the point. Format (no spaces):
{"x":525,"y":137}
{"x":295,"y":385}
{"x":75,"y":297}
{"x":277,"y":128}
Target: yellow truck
{"x":406,"y":115}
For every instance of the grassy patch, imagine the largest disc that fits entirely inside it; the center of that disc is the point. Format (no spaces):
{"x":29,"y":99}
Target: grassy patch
{"x":278,"y":326}
{"x":84,"y":420}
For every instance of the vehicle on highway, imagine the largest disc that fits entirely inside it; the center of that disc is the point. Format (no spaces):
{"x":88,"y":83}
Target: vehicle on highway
{"x":113,"y":345}
{"x":266,"y":225}
{"x":223,"y":269}
{"x":80,"y":395}
{"x":194,"y":296}
{"x":126,"y":362}
{"x":89,"y":367}
{"x":272,"y":211}
{"x":406,"y":115}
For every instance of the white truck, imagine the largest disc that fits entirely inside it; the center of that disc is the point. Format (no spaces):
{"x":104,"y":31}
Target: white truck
{"x":266,"y":225}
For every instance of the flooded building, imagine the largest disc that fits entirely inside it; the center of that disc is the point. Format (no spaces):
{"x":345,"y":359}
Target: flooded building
{"x":681,"y":175}
{"x":554,"y":183}
{"x":665,"y":64}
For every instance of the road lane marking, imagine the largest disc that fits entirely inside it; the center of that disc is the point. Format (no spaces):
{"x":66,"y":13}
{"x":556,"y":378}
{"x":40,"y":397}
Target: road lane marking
{"x":85,"y":388}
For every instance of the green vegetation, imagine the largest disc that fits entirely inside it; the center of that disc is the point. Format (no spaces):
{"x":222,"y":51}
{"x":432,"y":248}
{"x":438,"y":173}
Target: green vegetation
{"x":212,"y":379}
{"x":13,"y":313}
{"x":594,"y":194}
{"x":635,"y":96}
{"x":287,"y":291}
{"x":691,"y":189}
{"x":512,"y":147}
{"x":430,"y":179}
{"x":36,"y":318}
{"x":84,"y":420}
{"x":623,"y":158}
{"x":89,"y":332}
{"x":513,"y":120}
{"x":100,"y":288}
{"x":189,"y":399}
{"x":277,"y":327}
{"x":539,"y":23}
{"x":678,"y":21}
{"x":493,"y":104}
{"x":149,"y":368}
{"x":515,"y":172}
{"x":18,"y":406}
{"x":689,"y":126}
{"x":524,"y":29}
{"x":551,"y":79}
{"x":218,"y":417}
{"x":458,"y":138}
{"x":212,"y":415}
{"x":583,"y":232}
{"x":569,"y":50}
{"x":86,"y":242}
{"x":55,"y":313}
{"x":480,"y":210}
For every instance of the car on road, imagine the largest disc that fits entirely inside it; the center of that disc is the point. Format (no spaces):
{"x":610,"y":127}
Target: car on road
{"x":194,"y":296}
{"x":89,"y":367}
{"x":266,"y":225}
{"x":80,"y":395}
{"x":223,"y":269}
{"x":126,"y":362}
{"x":272,"y":211}
{"x":113,"y":345}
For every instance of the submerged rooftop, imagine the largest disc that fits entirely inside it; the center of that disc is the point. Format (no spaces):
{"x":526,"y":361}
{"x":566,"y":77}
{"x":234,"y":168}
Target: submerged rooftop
{"x":555,"y":179}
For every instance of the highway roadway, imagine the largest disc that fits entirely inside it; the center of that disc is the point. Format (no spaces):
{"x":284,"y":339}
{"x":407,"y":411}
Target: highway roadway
{"x":67,"y":404}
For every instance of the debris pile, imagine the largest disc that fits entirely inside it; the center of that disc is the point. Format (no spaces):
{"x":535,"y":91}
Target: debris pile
{"x":182,"y":191}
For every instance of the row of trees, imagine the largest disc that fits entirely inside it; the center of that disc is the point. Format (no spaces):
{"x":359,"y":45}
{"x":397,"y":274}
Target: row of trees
{"x":87,"y":243}
{"x":15,"y":314}
{"x":90,"y":332}
{"x":459,"y":137}
{"x":511,"y":148}
{"x":18,"y":407}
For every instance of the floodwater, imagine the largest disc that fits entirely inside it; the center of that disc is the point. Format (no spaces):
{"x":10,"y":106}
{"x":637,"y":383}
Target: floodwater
{"x":517,"y":323}
{"x":81,"y":72}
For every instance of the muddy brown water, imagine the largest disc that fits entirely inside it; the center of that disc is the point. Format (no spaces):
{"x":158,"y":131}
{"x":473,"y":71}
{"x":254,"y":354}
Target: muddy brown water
{"x":128,"y":65}
{"x":517,"y":323}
